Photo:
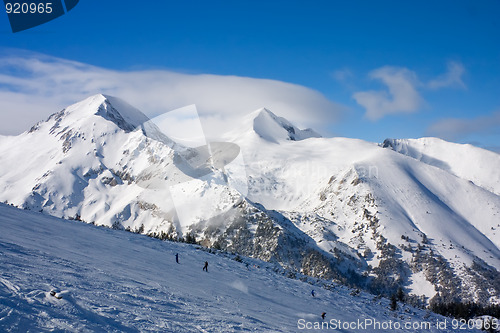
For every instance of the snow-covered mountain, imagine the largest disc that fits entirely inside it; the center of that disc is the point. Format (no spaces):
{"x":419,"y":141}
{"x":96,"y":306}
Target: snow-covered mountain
{"x":273,"y":128}
{"x":84,"y":278}
{"x":465,"y":161}
{"x":335,"y":208}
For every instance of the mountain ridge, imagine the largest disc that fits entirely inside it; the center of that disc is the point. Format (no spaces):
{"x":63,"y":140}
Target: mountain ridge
{"x":449,"y":157}
{"x":269,"y":127}
{"x":336,"y":208}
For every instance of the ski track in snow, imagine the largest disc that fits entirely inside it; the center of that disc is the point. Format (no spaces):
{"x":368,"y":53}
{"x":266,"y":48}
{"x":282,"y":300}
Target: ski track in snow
{"x":113,"y":281}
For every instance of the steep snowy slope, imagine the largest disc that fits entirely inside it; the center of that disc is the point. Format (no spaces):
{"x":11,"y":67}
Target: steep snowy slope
{"x":291,"y":178}
{"x":111,"y":281}
{"x":382,"y":208}
{"x":464,"y":161}
{"x":336,"y":208}
{"x":95,"y":163}
{"x":273,"y":128}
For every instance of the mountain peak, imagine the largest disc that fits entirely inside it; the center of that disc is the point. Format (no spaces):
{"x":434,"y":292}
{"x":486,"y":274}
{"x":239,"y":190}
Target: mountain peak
{"x":113,"y":109}
{"x":103,"y":109}
{"x":274,"y":128}
{"x":97,"y":116}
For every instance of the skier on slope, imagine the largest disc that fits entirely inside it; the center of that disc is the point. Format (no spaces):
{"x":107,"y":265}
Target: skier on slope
{"x":312,"y":293}
{"x":177,"y":257}
{"x":205,"y":268}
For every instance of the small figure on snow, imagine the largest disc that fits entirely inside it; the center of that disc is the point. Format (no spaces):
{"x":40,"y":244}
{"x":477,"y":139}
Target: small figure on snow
{"x":55,"y":294}
{"x":312,"y":293}
{"x":177,"y":257}
{"x":323,"y":315}
{"x":205,"y":268}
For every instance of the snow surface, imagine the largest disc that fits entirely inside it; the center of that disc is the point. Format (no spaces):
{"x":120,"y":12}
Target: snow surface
{"x":114,"y":281}
{"x":271,"y":128}
{"x":420,"y":286}
{"x":463,"y":160}
{"x":274,"y":128}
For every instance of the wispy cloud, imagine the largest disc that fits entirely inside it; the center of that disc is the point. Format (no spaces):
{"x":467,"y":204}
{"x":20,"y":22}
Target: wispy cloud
{"x":32,"y":86}
{"x":452,"y":78}
{"x":401,"y":95}
{"x":403,"y":90}
{"x":454,"y":129}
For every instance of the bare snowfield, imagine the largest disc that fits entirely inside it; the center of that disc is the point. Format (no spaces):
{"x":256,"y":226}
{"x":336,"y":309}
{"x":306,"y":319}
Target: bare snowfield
{"x":109,"y":281}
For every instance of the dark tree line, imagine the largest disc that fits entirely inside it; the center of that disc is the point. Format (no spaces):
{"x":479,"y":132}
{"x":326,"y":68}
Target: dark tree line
{"x":465,"y":311}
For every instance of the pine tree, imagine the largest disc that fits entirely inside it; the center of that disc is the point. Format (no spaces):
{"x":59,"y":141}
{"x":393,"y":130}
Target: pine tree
{"x":424,"y":239}
{"x":394,"y":302}
{"x":190,"y":238}
{"x":400,"y":295}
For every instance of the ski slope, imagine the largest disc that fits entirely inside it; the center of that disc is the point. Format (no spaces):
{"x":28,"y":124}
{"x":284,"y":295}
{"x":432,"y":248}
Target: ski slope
{"x":115,"y":281}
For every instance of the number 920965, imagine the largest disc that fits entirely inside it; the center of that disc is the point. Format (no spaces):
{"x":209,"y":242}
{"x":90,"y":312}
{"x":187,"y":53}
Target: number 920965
{"x":28,"y":8}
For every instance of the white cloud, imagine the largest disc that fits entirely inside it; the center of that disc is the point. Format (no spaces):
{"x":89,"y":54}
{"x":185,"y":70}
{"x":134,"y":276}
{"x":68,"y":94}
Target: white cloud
{"x":454,"y":129}
{"x":32,"y":86}
{"x":403,"y":89}
{"x":452,"y":78}
{"x":401,"y":95}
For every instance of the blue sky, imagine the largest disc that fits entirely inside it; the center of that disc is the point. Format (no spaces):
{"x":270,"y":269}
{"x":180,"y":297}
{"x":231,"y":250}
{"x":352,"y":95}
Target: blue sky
{"x":389,"y":68}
